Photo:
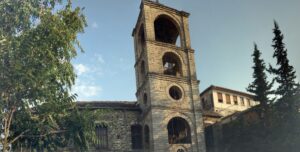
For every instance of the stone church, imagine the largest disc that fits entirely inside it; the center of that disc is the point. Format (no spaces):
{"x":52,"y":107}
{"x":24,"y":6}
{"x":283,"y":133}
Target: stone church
{"x":167,"y":115}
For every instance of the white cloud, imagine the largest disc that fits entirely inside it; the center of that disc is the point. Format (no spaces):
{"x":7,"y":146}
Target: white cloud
{"x":100,"y":58}
{"x":86,"y":91}
{"x":95,"y":25}
{"x":80,"y":69}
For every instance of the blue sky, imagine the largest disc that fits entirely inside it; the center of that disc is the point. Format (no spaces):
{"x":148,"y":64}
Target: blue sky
{"x":222,"y":34}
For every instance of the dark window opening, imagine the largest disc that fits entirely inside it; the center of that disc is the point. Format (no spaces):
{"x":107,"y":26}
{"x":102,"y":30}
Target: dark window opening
{"x":136,"y":137}
{"x":147,"y":137}
{"x":141,"y":38}
{"x":165,"y":30}
{"x":249,"y":103}
{"x":145,"y":99}
{"x":171,"y":64}
{"x":102,"y":138}
{"x":203,"y":103}
{"x":206,"y":105}
{"x":228,"y":101}
{"x":179,"y":131}
{"x":175,"y":92}
{"x":235,"y":100}
{"x":180,"y":150}
{"x":143,"y":71}
{"x":242,"y":101}
{"x":220,"y":97}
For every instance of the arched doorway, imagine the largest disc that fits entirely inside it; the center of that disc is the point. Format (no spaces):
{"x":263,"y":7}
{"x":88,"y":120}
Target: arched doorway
{"x":179,"y":131}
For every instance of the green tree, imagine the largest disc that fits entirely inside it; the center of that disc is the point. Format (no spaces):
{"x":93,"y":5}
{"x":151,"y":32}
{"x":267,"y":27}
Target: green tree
{"x":285,"y":75}
{"x":260,"y":86}
{"x":37,"y":44}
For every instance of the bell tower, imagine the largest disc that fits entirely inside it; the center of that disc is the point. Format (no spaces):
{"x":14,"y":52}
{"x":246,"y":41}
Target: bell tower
{"x":166,"y":81}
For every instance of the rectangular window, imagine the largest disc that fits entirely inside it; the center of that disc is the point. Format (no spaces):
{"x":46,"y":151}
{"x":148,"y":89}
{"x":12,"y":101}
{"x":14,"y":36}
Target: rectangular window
{"x":203,"y":103}
{"x":220,"y":97}
{"x":235,"y":101}
{"x":228,"y":99}
{"x":249,"y":103}
{"x":242,"y":101}
{"x":101,"y":134}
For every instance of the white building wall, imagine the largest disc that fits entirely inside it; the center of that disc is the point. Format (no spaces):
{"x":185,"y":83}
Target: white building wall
{"x":223,"y":108}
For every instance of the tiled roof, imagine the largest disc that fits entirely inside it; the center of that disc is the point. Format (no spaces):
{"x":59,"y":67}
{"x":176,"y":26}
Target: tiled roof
{"x":212,"y":87}
{"x":129,"y":105}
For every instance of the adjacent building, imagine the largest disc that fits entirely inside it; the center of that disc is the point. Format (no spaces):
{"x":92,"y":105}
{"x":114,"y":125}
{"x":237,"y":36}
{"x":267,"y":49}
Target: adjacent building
{"x":221,"y":106}
{"x":219,"y":102}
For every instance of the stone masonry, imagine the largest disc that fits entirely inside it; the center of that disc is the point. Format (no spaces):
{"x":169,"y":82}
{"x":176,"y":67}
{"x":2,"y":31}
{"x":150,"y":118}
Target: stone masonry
{"x":160,"y":108}
{"x":168,"y":109}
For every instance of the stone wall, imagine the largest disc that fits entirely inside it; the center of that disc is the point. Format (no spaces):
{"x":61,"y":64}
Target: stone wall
{"x":118,"y":123}
{"x":119,"y":129}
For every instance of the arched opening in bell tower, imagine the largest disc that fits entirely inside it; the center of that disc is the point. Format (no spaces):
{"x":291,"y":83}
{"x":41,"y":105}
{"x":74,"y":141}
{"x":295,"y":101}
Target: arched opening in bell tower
{"x":143,"y":69}
{"x":166,"y":30}
{"x":179,"y":131}
{"x":171,"y":64}
{"x":145,"y":99}
{"x":141,"y":39}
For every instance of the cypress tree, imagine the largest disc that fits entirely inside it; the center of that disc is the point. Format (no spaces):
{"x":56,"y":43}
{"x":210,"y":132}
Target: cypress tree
{"x":285,"y":74}
{"x":260,"y":86}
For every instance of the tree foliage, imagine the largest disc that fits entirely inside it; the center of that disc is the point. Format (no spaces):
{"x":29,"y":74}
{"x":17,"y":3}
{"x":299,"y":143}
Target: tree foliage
{"x":37,"y":44}
{"x":285,"y":75}
{"x":279,"y":129}
{"x":260,"y":86}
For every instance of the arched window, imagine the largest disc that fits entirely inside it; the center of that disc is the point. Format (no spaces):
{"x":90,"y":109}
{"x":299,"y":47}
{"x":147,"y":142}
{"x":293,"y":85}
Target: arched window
{"x":171,"y":64}
{"x":166,"y":30}
{"x":102,"y":138}
{"x":145,"y":99}
{"x":136,"y":137}
{"x":179,"y":131}
{"x":143,"y":71}
{"x":147,"y":137}
{"x":141,"y":38}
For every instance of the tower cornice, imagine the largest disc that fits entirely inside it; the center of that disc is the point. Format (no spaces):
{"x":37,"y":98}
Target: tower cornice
{"x":158,"y":6}
{"x":165,"y":8}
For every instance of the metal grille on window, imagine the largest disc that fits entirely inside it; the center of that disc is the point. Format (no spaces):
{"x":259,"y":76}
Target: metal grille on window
{"x":102,"y":138}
